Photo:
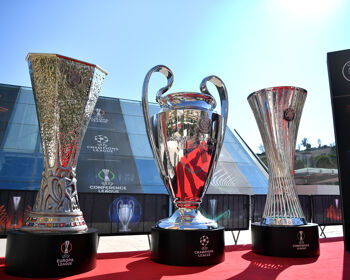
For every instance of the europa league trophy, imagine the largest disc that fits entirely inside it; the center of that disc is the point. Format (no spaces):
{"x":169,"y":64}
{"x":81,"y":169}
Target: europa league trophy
{"x":283,"y":230}
{"x":186,"y":137}
{"x":65,"y":92}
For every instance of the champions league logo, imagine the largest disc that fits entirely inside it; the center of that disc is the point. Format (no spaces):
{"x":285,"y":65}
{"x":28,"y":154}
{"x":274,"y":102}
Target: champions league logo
{"x":204,"y":251}
{"x":65,"y":248}
{"x":102,"y":145}
{"x":204,"y":241}
{"x":98,"y":116}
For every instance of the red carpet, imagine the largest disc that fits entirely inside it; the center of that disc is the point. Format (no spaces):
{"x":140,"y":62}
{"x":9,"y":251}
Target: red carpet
{"x":240,"y":263}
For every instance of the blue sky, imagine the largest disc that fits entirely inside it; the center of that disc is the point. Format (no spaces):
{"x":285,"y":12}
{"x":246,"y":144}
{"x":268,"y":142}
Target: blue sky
{"x":249,"y":44}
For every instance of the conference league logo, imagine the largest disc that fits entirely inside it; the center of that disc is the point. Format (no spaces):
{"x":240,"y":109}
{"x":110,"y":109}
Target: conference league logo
{"x":204,"y":251}
{"x":301,"y":241}
{"x":65,"y":248}
{"x":107,"y":185}
{"x":98,"y":116}
{"x":102,"y":145}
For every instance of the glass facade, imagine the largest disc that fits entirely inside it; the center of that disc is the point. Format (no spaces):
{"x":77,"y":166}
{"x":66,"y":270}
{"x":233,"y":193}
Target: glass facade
{"x":115,"y":155}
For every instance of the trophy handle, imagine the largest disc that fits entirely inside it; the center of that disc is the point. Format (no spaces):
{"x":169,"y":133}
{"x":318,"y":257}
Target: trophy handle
{"x":162,"y":102}
{"x":220,"y":86}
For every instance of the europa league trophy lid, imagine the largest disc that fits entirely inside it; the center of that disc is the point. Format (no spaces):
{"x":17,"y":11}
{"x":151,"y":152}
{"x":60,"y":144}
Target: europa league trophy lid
{"x":30,"y":55}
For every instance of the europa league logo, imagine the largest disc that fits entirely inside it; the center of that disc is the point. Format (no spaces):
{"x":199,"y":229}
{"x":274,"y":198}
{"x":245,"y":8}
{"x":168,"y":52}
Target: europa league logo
{"x":66,"y":247}
{"x":125,"y":213}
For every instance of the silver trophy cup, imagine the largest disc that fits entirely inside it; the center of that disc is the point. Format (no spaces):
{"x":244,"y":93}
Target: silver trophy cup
{"x":125,"y":213}
{"x":186,"y":137}
{"x":65,"y":92}
{"x":277,"y":111}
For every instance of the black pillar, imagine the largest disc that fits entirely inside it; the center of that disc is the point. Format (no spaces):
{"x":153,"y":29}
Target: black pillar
{"x":339,"y":81}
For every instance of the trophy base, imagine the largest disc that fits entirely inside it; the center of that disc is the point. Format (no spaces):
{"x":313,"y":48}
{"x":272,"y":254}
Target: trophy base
{"x":50,"y":254}
{"x":286,"y":241}
{"x":188,"y":247}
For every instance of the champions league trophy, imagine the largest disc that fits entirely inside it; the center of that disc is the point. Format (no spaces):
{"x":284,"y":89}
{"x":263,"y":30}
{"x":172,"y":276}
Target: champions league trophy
{"x":277,"y":111}
{"x":186,"y":137}
{"x":65,"y":92}
{"x":125,"y":213}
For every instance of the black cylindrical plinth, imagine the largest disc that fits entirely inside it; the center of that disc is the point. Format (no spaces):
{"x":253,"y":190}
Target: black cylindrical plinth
{"x":50,"y":254}
{"x":286,"y":241}
{"x":188,"y":247}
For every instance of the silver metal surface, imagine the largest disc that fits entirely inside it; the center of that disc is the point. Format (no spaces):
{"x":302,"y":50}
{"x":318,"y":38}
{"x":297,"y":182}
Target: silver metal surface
{"x":277,"y":112}
{"x":65,"y":92}
{"x":186,"y":137}
{"x":125,"y":213}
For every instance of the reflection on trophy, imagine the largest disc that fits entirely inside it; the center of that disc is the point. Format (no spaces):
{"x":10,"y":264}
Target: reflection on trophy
{"x":186,"y":137}
{"x":213,"y":204}
{"x":65,"y":92}
{"x":277,"y":111}
{"x":16,"y":200}
{"x":125,"y":213}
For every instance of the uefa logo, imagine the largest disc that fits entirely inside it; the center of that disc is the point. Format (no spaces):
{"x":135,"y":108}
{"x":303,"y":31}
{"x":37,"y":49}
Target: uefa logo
{"x":346,"y":71}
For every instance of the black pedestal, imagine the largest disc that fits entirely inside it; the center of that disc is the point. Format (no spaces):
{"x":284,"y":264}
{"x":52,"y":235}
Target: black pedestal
{"x":50,"y":254}
{"x":286,"y":241}
{"x":188,"y":247}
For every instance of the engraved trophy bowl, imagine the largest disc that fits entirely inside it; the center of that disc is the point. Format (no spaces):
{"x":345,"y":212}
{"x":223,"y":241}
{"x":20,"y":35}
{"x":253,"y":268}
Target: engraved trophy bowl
{"x":186,"y":137}
{"x":65,"y":92}
{"x":277,"y":111}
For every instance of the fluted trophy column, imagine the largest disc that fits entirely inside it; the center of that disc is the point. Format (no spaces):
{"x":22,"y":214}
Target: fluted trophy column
{"x":277,"y":111}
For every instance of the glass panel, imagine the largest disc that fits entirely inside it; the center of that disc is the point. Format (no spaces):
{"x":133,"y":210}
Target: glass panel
{"x":131,"y":108}
{"x":140,"y":145}
{"x":237,"y":153}
{"x":24,"y":114}
{"x":16,"y":167}
{"x":254,"y":176}
{"x":135,"y":124}
{"x":148,"y":172}
{"x":230,"y":137}
{"x":134,"y":108}
{"x":21,"y":138}
{"x":26,"y":96}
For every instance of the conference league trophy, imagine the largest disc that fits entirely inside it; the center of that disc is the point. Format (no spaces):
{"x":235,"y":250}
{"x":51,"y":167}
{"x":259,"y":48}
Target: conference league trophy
{"x":283,"y":230}
{"x":55,"y":240}
{"x":186,"y":137}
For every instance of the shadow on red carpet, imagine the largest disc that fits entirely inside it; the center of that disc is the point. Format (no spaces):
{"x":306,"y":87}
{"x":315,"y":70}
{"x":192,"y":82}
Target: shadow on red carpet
{"x":240,"y":263}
